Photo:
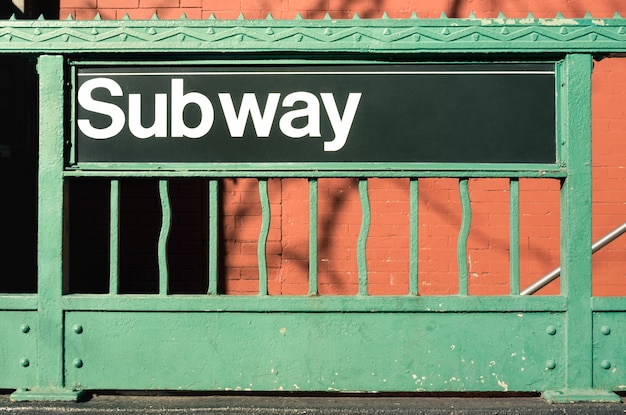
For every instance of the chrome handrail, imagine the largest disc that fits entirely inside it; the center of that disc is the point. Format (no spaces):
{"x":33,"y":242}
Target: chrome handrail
{"x":554,"y":274}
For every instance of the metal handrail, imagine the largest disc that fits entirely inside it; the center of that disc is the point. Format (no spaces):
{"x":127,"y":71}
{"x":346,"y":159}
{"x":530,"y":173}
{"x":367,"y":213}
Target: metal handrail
{"x":555,"y":273}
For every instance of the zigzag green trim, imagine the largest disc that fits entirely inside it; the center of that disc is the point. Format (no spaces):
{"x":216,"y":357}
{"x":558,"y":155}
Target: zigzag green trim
{"x":444,"y":35}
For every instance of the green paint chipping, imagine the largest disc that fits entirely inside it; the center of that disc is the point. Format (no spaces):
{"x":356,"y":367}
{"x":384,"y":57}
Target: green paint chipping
{"x":464,"y":231}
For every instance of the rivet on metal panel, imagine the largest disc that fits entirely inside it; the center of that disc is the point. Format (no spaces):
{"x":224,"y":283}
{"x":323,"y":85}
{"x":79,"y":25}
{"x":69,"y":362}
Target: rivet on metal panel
{"x":78,"y":329}
{"x":77,"y":363}
{"x":551,"y":330}
{"x":606,"y":330}
{"x":550,"y":364}
{"x":24,"y":362}
{"x":25,"y":328}
{"x":605,"y":364}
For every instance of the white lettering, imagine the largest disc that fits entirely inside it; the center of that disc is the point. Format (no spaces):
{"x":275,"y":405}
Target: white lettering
{"x":179,"y":101}
{"x":341,"y":124}
{"x":158,"y":128}
{"x":86,"y":101}
{"x":249,"y":107}
{"x":311,"y":111}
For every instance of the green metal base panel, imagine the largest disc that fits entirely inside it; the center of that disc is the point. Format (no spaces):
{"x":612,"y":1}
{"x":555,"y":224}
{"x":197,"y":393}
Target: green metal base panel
{"x":314,"y":351}
{"x":609,"y":350}
{"x":18,"y":349}
{"x":580,"y":395}
{"x":50,"y":395}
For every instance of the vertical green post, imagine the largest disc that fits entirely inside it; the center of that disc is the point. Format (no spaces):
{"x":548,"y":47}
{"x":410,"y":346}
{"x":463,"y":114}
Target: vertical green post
{"x":50,"y":378}
{"x":166,"y":225}
{"x":213,"y":236}
{"x":466,"y":221}
{"x":265,"y":230}
{"x":114,"y":238}
{"x":362,"y":241}
{"x":576,"y":234}
{"x":514,"y":236}
{"x":313,"y":219}
{"x":414,"y":236}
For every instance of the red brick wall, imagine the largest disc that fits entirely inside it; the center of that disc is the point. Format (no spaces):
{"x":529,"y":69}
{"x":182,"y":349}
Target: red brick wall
{"x":339,"y":208}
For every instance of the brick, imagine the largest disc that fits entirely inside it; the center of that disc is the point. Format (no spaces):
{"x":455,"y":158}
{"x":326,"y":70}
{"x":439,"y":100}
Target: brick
{"x":176,"y":13}
{"x":80,"y":4}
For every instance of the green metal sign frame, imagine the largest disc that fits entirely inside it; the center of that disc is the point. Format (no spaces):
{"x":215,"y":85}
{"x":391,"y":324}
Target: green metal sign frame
{"x":560,"y":345}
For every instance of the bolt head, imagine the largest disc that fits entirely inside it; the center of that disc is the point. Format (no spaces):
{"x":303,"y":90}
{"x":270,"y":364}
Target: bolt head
{"x":78,"y":363}
{"x":24,"y":362}
{"x":25,"y":328}
{"x":605,"y":364}
{"x":606,"y":330}
{"x":78,"y":329}
{"x":551,"y":330}
{"x":551,"y":364}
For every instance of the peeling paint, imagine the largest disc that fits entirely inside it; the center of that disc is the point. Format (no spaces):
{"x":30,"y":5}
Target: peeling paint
{"x":598,"y":22}
{"x":558,"y":22}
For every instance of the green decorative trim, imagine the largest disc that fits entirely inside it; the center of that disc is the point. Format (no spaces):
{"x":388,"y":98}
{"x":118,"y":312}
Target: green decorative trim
{"x":436,"y":36}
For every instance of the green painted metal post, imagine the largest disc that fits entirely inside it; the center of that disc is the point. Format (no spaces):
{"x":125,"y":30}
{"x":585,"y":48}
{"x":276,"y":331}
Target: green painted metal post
{"x":576,"y":234}
{"x":50,"y":379}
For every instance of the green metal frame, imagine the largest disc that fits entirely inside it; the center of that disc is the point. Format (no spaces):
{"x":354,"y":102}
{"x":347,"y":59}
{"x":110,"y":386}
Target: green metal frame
{"x":55,"y":345}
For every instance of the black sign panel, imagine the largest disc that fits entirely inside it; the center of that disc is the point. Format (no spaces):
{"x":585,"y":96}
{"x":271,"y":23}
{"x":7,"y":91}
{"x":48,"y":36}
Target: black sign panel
{"x":470,"y":113}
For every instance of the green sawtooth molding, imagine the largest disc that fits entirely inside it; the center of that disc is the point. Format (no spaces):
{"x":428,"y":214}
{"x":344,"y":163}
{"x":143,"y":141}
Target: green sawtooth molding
{"x":443,"y":35}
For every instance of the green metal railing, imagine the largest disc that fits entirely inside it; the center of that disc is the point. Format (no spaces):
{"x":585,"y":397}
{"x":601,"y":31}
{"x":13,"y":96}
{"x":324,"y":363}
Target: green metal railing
{"x":56,"y":345}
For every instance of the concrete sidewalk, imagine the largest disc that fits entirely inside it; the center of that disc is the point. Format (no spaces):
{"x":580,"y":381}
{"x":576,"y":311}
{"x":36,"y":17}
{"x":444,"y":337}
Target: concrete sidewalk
{"x":307,"y":405}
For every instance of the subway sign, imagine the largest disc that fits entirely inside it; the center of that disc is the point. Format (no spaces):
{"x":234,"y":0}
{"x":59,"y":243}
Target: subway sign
{"x":441,"y":113}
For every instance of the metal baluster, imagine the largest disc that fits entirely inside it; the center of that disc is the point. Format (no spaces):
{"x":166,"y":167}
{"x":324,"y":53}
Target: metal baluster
{"x":514,"y":236}
{"x":213,"y":236}
{"x":166,"y":222}
{"x":362,"y":242}
{"x":114,"y":239}
{"x":262,"y":244}
{"x":313,"y":219}
{"x":463,"y":236}
{"x":413,"y":236}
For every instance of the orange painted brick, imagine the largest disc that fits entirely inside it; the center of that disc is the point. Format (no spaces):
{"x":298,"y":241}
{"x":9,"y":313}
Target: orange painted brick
{"x":80,"y":4}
